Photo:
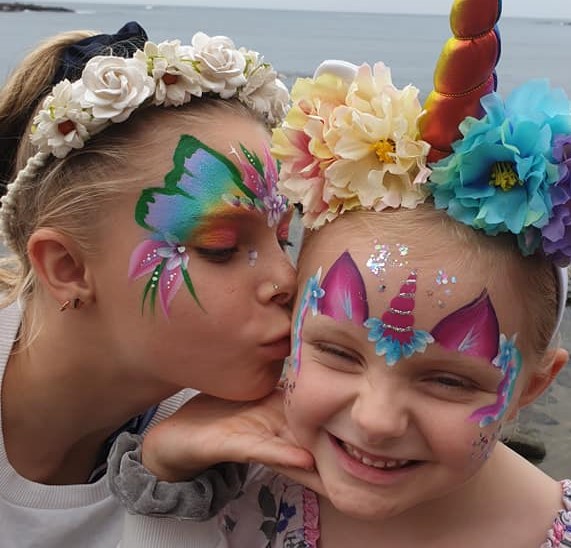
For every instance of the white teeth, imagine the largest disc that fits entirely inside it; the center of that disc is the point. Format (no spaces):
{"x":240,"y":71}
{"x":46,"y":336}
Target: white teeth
{"x":367,"y":461}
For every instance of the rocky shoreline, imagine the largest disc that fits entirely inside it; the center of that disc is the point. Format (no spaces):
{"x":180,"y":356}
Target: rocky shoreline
{"x":17,"y":6}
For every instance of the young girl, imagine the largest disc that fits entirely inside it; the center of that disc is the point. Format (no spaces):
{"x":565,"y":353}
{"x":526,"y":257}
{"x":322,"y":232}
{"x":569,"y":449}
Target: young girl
{"x":148,"y":240}
{"x":424,"y":320}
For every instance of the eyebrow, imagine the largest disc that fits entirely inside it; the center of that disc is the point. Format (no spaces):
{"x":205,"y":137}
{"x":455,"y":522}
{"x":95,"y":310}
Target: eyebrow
{"x":436,"y":353}
{"x":333,"y":329}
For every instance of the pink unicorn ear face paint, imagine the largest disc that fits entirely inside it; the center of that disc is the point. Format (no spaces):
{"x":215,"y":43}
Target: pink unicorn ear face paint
{"x":345,"y":295}
{"x":202,"y":184}
{"x":474,"y":330}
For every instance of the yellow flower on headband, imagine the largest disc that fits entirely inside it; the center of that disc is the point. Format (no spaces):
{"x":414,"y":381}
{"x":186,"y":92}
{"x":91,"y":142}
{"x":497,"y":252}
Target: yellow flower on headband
{"x":351,"y":144}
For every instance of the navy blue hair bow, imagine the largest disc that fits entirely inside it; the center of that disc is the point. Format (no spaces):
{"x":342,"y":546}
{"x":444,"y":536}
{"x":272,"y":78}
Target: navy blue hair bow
{"x":128,"y":39}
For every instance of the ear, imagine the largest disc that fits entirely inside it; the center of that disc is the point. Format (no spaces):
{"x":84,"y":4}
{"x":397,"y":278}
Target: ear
{"x":59,"y":264}
{"x":537,"y":383}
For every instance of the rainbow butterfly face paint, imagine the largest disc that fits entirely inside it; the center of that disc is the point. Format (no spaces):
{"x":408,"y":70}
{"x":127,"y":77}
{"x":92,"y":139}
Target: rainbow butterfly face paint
{"x":202,"y":183}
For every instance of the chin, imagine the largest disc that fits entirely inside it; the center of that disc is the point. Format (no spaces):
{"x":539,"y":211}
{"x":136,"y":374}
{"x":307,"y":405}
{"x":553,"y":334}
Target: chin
{"x":364,"y":508}
{"x":250,"y":388}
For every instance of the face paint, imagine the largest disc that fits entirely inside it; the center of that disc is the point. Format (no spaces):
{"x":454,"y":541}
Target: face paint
{"x":261,"y":178}
{"x":508,"y":361}
{"x":482,"y":447}
{"x":345,"y":293}
{"x":443,"y":279}
{"x":216,"y":237}
{"x":309,"y":300}
{"x":252,"y":257}
{"x":472,"y":329}
{"x":382,"y":258}
{"x":394,"y":334}
{"x":194,"y":190}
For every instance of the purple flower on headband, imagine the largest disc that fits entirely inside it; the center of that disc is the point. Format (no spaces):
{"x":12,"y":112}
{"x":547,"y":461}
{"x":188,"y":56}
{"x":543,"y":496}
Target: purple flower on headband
{"x":556,"y":235}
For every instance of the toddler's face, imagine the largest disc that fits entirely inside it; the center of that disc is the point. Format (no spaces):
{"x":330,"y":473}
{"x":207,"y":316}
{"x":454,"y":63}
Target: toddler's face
{"x":404,"y":364}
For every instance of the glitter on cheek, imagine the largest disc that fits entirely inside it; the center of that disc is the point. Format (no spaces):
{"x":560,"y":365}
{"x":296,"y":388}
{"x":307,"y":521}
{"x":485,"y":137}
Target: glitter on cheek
{"x":482,"y":447}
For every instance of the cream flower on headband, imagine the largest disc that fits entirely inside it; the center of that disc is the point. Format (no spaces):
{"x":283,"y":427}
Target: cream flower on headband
{"x":351,"y":143}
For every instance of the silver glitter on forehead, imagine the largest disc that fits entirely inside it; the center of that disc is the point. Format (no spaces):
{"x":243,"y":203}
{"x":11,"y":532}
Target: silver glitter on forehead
{"x":383,"y":258}
{"x":443,"y":279}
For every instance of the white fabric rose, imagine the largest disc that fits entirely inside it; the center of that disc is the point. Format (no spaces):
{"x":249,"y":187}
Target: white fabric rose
{"x":115,"y":86}
{"x":171,"y":66}
{"x":62,"y":125}
{"x":220,"y":64}
{"x":263,"y":91}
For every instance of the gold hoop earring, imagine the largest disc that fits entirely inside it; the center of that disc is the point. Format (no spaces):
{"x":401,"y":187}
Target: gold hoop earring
{"x":65,"y":305}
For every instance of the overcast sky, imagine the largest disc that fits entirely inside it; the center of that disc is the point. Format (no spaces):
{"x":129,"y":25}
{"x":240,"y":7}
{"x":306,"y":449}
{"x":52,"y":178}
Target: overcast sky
{"x":557,"y":9}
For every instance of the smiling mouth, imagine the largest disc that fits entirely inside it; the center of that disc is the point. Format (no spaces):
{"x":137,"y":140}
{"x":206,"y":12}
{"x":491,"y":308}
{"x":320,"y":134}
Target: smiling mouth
{"x":373,"y":461}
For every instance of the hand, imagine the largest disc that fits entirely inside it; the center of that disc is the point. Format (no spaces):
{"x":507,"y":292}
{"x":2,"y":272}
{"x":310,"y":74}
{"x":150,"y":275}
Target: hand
{"x":208,"y":430}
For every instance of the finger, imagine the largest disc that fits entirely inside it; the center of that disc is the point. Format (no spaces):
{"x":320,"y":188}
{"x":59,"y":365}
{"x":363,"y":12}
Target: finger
{"x":277,"y":452}
{"x":308,"y":478}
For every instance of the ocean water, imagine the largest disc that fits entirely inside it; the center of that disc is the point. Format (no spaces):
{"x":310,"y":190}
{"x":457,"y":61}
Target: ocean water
{"x":296,"y":42}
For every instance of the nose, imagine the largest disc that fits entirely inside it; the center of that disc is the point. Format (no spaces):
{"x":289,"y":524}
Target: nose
{"x":380,"y":413}
{"x":279,"y":280}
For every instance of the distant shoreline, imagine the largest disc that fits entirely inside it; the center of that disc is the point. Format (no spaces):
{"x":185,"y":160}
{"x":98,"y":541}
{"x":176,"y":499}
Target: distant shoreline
{"x":17,"y":6}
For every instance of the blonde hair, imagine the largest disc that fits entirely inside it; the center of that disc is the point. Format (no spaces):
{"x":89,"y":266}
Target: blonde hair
{"x":531,"y":279}
{"x":69,"y":194}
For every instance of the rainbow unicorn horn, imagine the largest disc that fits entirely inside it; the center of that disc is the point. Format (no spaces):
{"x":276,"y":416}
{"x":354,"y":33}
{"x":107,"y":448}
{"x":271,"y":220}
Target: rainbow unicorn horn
{"x":465,"y":72}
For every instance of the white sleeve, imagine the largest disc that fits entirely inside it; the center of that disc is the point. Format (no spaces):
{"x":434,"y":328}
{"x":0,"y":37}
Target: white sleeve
{"x":152,"y":532}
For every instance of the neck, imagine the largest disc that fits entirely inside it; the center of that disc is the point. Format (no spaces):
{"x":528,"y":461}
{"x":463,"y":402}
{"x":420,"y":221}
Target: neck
{"x":63,"y":394}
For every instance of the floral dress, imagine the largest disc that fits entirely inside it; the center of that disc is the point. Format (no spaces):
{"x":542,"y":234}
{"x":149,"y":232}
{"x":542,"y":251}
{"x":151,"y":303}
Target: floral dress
{"x":272,"y":512}
{"x":560,"y":534}
{"x":275,"y":512}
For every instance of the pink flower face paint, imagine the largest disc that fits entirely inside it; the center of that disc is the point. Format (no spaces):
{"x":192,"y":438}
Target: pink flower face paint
{"x":196,"y":188}
{"x":394,"y":334}
{"x":261,"y":178}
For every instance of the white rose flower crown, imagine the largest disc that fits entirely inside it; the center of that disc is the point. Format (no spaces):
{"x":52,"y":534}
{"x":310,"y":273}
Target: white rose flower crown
{"x":110,"y":87}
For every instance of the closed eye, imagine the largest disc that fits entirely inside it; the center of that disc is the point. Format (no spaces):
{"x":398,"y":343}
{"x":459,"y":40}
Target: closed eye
{"x":217,"y":255}
{"x":337,"y":351}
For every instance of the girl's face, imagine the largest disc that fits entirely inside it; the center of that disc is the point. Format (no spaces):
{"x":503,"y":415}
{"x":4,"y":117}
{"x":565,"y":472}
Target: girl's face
{"x":194,"y":282}
{"x":404,"y":365}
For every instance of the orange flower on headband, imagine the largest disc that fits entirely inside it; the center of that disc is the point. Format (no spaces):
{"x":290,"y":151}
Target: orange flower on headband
{"x":351,"y":143}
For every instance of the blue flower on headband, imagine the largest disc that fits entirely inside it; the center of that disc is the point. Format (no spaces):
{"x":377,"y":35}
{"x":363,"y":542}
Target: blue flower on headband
{"x":499,"y":176}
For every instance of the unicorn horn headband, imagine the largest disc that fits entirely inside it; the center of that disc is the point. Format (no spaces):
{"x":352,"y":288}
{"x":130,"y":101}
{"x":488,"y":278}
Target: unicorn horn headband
{"x":465,"y":72}
{"x":352,"y":140}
